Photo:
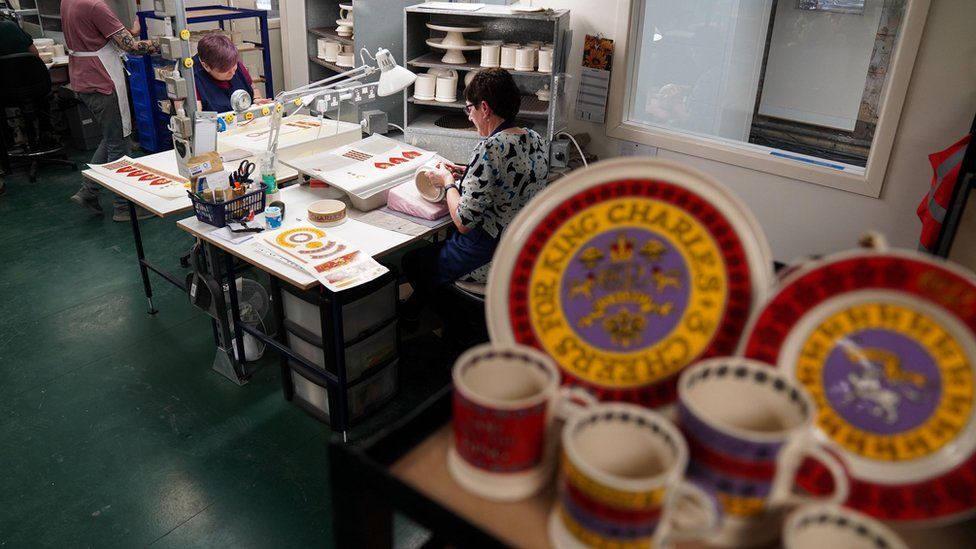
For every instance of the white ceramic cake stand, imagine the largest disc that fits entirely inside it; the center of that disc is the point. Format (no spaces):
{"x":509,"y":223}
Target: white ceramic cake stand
{"x":453,"y":42}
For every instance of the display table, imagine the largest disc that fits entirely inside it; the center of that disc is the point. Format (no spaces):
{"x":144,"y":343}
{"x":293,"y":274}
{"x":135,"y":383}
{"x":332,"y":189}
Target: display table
{"x":162,"y":207}
{"x":403,"y":469}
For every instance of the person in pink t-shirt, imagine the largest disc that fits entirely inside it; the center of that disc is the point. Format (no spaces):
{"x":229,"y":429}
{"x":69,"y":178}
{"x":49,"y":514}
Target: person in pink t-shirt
{"x":96,"y":40}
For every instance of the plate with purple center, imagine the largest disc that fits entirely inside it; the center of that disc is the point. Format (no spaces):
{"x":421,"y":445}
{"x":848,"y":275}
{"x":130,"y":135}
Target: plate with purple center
{"x":625,"y":273}
{"x":884,"y":342}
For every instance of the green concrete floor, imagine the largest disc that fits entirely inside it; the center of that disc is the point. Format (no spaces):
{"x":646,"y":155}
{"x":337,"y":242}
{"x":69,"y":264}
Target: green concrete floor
{"x":115,"y":431}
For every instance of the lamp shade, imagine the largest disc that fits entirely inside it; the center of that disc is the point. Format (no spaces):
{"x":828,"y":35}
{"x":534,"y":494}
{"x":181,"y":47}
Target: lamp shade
{"x":393,"y":77}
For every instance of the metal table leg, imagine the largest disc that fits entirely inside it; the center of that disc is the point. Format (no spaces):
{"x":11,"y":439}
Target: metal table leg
{"x":137,"y":236}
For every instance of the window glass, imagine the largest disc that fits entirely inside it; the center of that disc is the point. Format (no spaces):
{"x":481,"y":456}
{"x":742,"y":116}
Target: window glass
{"x":801,"y":78}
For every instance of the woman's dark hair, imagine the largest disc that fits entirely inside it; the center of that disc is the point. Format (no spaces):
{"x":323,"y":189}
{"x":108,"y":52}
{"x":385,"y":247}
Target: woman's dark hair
{"x":497,"y":88}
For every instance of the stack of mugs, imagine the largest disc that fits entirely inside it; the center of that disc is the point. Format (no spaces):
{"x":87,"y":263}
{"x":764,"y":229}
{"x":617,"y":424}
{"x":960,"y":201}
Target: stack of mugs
{"x":532,"y":56}
{"x":334,"y":52}
{"x":436,"y":85}
{"x":723,"y":471}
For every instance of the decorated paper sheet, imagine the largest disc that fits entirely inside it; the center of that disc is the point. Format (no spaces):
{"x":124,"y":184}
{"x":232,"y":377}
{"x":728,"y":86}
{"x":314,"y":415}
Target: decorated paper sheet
{"x":141,"y":176}
{"x":365,"y":167}
{"x":295,"y":130}
{"x":332,"y":261}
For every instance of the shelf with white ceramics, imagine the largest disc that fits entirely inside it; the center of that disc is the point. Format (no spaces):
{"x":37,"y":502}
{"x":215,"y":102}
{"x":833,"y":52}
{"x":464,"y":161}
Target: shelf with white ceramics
{"x":537,"y":108}
{"x":376,"y":25}
{"x":329,"y":33}
{"x":432,"y":60}
{"x":441,"y":126}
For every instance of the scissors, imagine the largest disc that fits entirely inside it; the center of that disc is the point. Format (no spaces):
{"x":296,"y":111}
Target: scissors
{"x":244,"y":171}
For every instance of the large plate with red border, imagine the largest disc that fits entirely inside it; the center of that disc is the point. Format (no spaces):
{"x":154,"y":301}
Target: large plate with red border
{"x":884,"y":341}
{"x":626,"y":272}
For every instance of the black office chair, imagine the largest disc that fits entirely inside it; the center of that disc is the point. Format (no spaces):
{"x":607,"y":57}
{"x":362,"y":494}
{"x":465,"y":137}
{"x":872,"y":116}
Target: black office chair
{"x":27,"y":83}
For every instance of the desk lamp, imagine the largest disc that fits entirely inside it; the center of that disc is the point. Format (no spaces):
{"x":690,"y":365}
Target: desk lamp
{"x":327,"y":94}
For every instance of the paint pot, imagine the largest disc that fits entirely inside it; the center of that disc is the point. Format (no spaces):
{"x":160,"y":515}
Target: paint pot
{"x":272,"y":217}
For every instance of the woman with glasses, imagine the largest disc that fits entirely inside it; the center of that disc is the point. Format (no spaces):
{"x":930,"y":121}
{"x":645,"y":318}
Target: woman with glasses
{"x":506,"y":170}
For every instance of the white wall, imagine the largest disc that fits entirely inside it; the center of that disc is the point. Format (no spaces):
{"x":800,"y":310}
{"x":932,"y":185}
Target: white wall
{"x":801,"y":218}
{"x":818,"y":64}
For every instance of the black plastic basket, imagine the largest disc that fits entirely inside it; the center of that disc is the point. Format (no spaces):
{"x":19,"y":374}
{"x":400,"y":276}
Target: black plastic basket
{"x":217,"y":214}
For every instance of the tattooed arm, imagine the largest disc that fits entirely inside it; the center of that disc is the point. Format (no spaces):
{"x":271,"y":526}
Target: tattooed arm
{"x":127,"y":43}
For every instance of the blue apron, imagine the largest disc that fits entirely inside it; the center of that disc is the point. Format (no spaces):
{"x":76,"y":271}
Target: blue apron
{"x":212,"y":97}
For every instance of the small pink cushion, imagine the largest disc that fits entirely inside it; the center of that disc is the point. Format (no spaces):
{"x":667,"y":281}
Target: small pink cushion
{"x":405,"y":198}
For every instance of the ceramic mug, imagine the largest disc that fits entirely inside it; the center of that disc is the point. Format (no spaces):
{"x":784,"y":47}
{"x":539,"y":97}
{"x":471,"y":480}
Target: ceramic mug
{"x":504,"y":405}
{"x":622,"y":483}
{"x":424,"y":87}
{"x":446,"y":89}
{"x":749,"y":427}
{"x":818,"y":526}
{"x":346,"y":13}
{"x":545,"y":60}
{"x":525,"y":59}
{"x":428,"y":191}
{"x":508,"y":56}
{"x":329,"y":50}
{"x":490,"y":54}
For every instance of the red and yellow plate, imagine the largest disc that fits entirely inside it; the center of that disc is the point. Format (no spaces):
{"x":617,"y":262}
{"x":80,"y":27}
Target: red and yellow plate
{"x":626,"y":272}
{"x":884,"y":341}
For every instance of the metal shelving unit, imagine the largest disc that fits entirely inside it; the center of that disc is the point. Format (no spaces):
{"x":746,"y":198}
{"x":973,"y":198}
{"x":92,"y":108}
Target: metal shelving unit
{"x":222,"y":14}
{"x":376,"y":26}
{"x":425,"y":123}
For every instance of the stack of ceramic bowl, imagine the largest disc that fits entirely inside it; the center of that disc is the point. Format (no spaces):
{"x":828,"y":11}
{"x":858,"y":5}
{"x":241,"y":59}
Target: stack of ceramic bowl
{"x":346,"y":57}
{"x":46,"y":49}
{"x":345,"y":21}
{"x":453,"y":42}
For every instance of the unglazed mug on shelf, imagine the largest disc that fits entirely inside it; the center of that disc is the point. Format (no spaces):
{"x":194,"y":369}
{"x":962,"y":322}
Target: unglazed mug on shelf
{"x":545,"y":60}
{"x":836,"y":527}
{"x":508,"y":55}
{"x":490,"y":53}
{"x":525,"y":59}
{"x":749,"y":428}
{"x":622,"y":483}
{"x":446,"y":89}
{"x":329,"y":50}
{"x":506,"y":399}
{"x":425,"y":86}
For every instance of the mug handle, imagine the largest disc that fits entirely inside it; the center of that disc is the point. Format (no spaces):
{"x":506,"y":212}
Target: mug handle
{"x":782,"y":494}
{"x":669,"y":533}
{"x":571,"y":401}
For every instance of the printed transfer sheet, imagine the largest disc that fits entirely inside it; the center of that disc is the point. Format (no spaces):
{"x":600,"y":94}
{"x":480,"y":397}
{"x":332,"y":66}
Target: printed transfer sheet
{"x":144,"y":178}
{"x":365,"y":167}
{"x":332,"y":261}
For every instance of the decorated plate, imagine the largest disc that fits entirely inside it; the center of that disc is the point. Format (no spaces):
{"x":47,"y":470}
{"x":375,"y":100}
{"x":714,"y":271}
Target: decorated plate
{"x":884,"y":341}
{"x":626,"y":272}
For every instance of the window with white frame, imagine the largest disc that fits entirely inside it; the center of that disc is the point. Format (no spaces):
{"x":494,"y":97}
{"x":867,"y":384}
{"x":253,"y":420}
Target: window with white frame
{"x":808,"y":89}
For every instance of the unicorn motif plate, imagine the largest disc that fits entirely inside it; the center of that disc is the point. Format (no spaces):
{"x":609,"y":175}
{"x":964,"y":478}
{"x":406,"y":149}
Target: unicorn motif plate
{"x":625,"y":273}
{"x":884,"y":341}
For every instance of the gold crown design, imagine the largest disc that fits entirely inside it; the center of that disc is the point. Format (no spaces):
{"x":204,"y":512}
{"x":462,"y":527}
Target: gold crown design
{"x":622,"y":250}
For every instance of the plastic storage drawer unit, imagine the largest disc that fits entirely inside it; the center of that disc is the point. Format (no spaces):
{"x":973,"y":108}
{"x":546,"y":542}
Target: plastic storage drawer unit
{"x":364,"y":395}
{"x":368,"y":352}
{"x":301,"y":309}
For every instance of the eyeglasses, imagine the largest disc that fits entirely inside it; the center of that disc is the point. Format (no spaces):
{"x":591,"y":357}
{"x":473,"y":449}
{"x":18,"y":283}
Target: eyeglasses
{"x":468,"y":108}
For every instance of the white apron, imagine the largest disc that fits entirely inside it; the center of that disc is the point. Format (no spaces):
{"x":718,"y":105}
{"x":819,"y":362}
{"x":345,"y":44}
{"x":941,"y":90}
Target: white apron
{"x":111,"y":57}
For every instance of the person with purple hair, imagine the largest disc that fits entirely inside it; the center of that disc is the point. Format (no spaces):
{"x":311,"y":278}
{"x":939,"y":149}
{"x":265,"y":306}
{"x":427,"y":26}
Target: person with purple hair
{"x":218,"y":73}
